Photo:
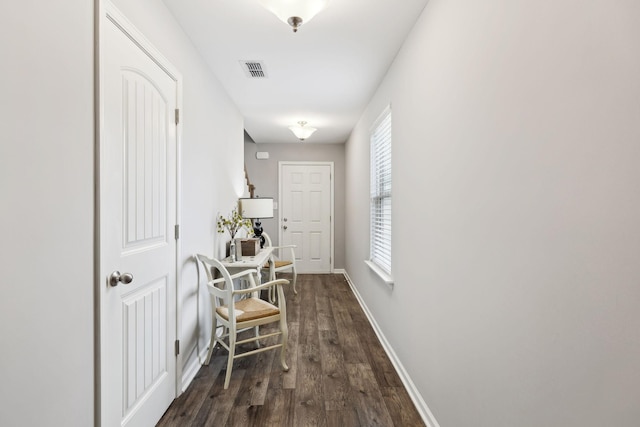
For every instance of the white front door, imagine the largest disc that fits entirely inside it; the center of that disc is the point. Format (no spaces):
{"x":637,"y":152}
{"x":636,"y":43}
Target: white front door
{"x":137,"y":202}
{"x":306,"y":210}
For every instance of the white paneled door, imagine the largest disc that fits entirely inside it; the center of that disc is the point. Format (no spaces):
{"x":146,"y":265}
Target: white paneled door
{"x":138,"y":158}
{"x":305,"y":214}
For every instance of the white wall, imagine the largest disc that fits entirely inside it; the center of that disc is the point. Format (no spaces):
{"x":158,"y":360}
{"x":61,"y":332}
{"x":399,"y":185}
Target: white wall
{"x":516,"y":132}
{"x":46,"y":213}
{"x":47,"y":199}
{"x":212,"y":164}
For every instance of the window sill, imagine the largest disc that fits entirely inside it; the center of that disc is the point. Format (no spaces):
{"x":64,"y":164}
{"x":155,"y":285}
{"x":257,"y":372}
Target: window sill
{"x":386,"y":278}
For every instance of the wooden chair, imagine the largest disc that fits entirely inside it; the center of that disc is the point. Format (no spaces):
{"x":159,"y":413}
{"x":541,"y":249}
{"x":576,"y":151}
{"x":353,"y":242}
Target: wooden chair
{"x":235,"y":313}
{"x":285,"y":263}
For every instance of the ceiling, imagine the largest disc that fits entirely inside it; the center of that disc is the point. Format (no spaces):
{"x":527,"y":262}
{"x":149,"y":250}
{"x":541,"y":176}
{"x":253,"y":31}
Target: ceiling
{"x":324,"y":74}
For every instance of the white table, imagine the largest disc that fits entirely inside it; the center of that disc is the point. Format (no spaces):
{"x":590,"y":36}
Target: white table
{"x":258,"y":261}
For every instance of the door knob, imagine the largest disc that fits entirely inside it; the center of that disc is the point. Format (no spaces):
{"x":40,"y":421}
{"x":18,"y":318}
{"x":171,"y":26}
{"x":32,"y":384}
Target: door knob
{"x":116,"y":278}
{"x":284,"y":226}
{"x":284,"y":219}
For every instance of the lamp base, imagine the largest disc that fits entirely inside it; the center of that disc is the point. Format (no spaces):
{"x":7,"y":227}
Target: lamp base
{"x":257,"y":231}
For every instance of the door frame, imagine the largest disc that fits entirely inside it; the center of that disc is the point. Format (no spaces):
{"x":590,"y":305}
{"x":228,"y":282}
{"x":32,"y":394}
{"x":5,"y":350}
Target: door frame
{"x":283,"y":163}
{"x":106,"y":10}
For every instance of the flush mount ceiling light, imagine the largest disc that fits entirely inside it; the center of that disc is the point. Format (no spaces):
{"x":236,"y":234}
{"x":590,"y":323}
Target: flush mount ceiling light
{"x":295,"y":12}
{"x":301,"y":131}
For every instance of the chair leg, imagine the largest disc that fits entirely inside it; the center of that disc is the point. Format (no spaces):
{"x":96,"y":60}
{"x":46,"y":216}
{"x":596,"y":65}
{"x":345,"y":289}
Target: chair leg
{"x":285,"y":339}
{"x":295,"y":276}
{"x":232,"y":350}
{"x":257,"y":330}
{"x":212,"y":340}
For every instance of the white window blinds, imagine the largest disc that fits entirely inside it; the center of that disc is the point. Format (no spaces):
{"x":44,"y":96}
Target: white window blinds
{"x":380,"y":209}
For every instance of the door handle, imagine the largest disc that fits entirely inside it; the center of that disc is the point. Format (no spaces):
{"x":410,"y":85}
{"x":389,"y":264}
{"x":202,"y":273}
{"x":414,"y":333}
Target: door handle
{"x":116,"y":278}
{"x":284,"y":219}
{"x":284,"y":226}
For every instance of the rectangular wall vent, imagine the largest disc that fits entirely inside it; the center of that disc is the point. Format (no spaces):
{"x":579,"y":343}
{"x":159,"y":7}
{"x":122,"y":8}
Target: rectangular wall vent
{"x":254,"y":69}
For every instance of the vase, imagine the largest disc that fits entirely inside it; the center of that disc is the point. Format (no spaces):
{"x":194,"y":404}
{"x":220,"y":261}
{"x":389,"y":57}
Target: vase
{"x":238,"y":249}
{"x":232,"y":250}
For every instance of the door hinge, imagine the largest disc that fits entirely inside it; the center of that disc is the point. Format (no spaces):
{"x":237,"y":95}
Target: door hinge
{"x":177,"y":116}
{"x":177,"y":231}
{"x":177,"y":347}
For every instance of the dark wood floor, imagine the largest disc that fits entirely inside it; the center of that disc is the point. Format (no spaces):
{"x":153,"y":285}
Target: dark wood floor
{"x":339,"y":373}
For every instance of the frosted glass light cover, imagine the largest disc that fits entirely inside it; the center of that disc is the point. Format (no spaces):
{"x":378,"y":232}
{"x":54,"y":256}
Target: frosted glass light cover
{"x":302,"y":132}
{"x":285,"y":9}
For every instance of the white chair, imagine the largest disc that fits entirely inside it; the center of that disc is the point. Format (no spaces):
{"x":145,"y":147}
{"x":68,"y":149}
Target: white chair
{"x":285,"y":263}
{"x":235,"y":313}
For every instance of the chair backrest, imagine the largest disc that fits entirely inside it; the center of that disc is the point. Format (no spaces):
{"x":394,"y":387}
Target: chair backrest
{"x":268,"y":243}
{"x":267,"y":239}
{"x":220,"y":288}
{"x":282,"y":252}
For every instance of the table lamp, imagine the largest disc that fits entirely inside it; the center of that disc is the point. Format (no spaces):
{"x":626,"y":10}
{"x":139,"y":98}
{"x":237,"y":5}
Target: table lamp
{"x":257,"y":208}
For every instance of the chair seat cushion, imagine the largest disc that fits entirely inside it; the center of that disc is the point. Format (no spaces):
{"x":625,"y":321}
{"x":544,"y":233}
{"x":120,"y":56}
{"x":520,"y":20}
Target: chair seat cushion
{"x":250,"y":309}
{"x":278,"y":264}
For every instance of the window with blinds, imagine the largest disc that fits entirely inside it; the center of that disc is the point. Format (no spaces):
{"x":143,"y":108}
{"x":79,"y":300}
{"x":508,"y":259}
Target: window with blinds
{"x":380,"y":198}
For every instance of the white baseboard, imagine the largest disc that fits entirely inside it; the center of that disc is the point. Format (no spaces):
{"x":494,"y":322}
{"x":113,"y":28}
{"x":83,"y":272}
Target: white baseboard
{"x":340,"y":271}
{"x":416,"y":397}
{"x":190,"y":372}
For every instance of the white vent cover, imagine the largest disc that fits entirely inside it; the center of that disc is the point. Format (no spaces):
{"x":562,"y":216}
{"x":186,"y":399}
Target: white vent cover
{"x":254,"y":69}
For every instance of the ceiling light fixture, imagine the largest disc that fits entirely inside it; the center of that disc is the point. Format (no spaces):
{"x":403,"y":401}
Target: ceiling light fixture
{"x":301,"y":131}
{"x":295,"y":13}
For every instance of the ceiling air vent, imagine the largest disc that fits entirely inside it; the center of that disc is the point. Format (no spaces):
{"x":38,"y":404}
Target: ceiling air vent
{"x":254,"y":69}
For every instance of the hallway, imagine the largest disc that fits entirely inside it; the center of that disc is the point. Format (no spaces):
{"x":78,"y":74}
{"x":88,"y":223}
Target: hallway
{"x":339,"y":373}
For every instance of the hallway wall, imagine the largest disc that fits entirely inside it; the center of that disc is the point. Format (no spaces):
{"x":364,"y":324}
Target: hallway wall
{"x":515,"y":212}
{"x":46,"y":213}
{"x":47,"y":200}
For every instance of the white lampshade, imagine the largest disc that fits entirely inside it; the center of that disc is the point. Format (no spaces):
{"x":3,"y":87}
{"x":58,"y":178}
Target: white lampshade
{"x":289,"y":10}
{"x":301,"y":131}
{"x":256,"y":208}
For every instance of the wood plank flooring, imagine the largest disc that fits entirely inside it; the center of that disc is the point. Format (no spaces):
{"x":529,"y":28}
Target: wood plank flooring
{"x":339,"y":374}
